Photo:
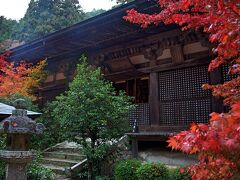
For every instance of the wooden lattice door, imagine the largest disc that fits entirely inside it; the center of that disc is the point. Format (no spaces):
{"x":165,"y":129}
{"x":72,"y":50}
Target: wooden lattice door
{"x":182,"y":99}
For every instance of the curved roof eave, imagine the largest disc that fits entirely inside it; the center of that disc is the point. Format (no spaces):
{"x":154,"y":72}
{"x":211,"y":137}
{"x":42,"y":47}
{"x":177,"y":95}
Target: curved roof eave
{"x":94,"y":32}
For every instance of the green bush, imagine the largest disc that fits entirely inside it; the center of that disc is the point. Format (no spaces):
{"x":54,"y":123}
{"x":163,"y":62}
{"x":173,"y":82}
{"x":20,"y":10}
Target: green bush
{"x":38,"y":172}
{"x":152,"y":171}
{"x":174,"y":174}
{"x":2,"y":169}
{"x":2,"y":164}
{"x":126,"y":170}
{"x":102,"y":178}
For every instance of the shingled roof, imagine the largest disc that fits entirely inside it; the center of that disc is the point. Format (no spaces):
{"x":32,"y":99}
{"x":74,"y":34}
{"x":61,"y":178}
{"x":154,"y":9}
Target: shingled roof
{"x":97,"y":33}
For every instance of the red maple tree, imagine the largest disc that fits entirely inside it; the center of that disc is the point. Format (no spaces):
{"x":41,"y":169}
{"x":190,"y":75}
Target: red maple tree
{"x":217,"y":143}
{"x":19,"y":78}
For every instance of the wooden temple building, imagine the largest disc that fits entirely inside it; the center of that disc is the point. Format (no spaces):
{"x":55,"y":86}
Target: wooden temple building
{"x":162,"y":67}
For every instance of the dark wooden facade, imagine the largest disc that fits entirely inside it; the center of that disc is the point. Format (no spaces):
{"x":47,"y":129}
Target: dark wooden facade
{"x":162,"y":67}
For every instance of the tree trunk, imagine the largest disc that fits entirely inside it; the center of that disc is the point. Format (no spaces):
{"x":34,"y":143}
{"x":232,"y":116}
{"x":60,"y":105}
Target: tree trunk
{"x":90,"y":170}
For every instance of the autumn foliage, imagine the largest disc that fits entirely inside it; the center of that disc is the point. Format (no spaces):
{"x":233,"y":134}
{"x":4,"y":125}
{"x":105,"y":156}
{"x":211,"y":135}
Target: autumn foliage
{"x":218,"y":18}
{"x":19,"y":78}
{"x":217,"y":143}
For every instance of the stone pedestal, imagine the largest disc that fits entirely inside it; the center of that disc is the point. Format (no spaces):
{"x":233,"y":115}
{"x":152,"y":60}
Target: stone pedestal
{"x":16,"y":164}
{"x":16,"y":171}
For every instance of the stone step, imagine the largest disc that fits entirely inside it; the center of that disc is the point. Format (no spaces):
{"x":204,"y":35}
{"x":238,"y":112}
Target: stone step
{"x":56,"y":169}
{"x":61,"y":177}
{"x":63,"y":155}
{"x":66,"y":149}
{"x":59,"y":162}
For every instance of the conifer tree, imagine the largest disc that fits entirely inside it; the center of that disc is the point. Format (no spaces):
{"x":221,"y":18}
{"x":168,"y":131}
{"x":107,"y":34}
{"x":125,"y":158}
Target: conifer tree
{"x":46,"y":16}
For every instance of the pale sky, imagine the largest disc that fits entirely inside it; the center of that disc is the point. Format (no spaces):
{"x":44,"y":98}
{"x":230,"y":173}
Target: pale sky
{"x":15,"y":9}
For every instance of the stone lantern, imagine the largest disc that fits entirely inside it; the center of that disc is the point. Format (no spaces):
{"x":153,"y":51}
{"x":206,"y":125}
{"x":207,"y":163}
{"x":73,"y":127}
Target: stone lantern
{"x":18,"y":128}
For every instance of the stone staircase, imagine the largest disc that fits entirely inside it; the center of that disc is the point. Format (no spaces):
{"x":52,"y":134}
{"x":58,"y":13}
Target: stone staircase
{"x":66,"y":158}
{"x":61,"y":157}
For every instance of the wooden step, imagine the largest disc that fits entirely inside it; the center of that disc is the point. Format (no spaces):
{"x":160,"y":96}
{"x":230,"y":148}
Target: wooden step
{"x":59,"y":162}
{"x":64,"y":155}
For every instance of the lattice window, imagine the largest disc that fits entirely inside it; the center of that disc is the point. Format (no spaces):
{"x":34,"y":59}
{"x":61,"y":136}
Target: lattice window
{"x":140,"y":113}
{"x":185,"y":112}
{"x":183,"y":83}
{"x":182,"y":99}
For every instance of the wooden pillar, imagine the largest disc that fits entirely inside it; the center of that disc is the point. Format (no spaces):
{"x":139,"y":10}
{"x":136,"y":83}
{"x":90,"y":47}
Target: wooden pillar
{"x":153,"y":90}
{"x":154,"y":98}
{"x":216,"y":78}
{"x":135,"y":90}
{"x":134,"y":147}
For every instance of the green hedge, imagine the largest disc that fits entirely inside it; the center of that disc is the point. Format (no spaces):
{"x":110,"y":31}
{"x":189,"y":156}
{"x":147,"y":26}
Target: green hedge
{"x":152,"y":171}
{"x":135,"y":170}
{"x":126,"y":170}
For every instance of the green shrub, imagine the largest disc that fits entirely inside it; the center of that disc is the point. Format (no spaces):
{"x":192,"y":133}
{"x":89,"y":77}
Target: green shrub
{"x":38,"y":172}
{"x":2,"y":164}
{"x":102,"y":178}
{"x":2,"y":169}
{"x":152,"y":171}
{"x":126,"y":170}
{"x":174,"y":174}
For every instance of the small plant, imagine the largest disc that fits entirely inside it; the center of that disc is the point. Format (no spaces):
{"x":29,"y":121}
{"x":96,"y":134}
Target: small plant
{"x":102,"y":178}
{"x":152,"y":171}
{"x":2,"y":169}
{"x":38,"y":172}
{"x":2,"y":163}
{"x":126,"y":170}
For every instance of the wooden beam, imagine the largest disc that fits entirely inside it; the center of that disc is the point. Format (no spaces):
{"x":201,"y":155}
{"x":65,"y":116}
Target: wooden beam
{"x":171,"y":66}
{"x":177,"y":54}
